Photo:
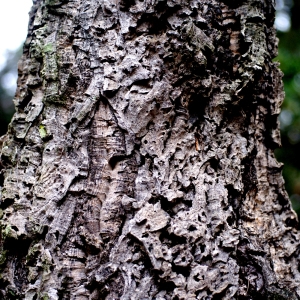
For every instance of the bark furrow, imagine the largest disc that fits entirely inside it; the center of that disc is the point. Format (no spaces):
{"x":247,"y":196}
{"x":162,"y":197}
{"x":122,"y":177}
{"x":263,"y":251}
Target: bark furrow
{"x":140,"y":161}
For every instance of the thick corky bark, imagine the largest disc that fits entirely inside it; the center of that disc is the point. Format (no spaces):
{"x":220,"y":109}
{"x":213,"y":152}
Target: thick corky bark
{"x":140,"y":162}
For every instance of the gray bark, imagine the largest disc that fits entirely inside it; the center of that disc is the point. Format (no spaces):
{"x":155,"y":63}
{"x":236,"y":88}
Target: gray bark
{"x":140,"y":162}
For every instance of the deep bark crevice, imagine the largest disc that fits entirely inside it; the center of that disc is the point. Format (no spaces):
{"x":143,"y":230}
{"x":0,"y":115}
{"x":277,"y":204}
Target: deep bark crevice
{"x":140,"y":163}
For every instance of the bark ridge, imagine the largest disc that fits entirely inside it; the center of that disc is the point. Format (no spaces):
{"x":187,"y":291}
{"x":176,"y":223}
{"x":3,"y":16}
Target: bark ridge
{"x":140,"y":162}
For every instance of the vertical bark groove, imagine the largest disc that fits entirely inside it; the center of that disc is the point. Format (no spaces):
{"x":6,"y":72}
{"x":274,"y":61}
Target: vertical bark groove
{"x":140,"y":163}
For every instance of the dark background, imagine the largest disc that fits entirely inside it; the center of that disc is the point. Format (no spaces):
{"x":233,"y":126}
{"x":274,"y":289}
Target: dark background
{"x":289,"y":58}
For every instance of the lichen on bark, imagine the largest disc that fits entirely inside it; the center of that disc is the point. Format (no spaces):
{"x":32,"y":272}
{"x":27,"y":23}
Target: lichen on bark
{"x":140,"y":161}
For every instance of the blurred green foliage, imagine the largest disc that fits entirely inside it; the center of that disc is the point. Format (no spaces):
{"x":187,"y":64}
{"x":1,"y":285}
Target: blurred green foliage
{"x":289,"y":154}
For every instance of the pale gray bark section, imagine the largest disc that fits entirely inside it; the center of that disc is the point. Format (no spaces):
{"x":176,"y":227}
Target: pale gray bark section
{"x":140,"y":162}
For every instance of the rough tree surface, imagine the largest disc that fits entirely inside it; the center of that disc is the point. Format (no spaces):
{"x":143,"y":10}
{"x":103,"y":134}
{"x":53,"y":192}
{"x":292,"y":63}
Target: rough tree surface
{"x":140,"y":161}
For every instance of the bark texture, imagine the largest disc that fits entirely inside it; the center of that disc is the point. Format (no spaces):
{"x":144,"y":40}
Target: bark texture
{"x":140,"y":162}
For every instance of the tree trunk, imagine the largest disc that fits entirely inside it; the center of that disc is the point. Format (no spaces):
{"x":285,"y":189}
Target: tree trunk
{"x":140,"y":162}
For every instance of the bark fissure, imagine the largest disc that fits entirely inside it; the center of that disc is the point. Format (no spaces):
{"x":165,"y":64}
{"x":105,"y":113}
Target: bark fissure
{"x":139,"y":163}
